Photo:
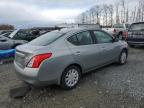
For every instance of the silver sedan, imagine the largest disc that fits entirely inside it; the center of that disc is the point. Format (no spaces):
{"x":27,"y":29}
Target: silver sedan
{"x":62,"y":56}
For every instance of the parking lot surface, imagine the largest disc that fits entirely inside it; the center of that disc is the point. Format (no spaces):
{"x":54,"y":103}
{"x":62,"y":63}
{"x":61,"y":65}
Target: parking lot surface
{"x":113,"y":86}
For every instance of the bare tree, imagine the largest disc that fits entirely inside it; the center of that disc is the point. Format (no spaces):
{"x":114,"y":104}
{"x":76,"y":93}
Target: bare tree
{"x":104,"y":14}
{"x":92,"y":15}
{"x":123,"y":10}
{"x":117,"y":12}
{"x":98,"y":11}
{"x":111,"y":10}
{"x":127,"y":15}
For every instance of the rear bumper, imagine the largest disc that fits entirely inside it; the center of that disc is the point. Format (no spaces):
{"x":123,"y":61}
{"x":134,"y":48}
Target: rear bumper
{"x":30,"y":76}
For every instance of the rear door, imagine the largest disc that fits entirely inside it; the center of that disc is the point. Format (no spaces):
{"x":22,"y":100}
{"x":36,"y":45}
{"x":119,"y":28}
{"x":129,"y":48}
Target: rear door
{"x":84,"y":50}
{"x":108,"y":48}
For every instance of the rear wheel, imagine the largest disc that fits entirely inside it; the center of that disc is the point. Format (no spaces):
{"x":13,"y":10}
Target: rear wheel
{"x":70,"y":77}
{"x":123,"y":57}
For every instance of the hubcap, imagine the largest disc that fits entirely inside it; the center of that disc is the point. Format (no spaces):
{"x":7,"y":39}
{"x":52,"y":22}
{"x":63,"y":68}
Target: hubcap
{"x":72,"y":77}
{"x":123,"y":57}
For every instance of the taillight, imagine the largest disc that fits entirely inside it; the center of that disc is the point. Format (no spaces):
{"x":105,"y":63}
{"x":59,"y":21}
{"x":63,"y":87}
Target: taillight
{"x":36,"y":60}
{"x":114,"y":30}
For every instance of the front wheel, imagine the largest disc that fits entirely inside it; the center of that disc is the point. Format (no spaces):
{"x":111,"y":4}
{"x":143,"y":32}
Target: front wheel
{"x":123,"y":57}
{"x":70,"y":77}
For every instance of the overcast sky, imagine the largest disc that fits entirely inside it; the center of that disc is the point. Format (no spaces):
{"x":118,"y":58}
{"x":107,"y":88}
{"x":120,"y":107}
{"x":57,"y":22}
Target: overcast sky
{"x":28,"y":13}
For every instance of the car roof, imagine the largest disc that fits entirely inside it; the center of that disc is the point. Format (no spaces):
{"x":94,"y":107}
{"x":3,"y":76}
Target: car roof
{"x":68,"y":31}
{"x":65,"y":30}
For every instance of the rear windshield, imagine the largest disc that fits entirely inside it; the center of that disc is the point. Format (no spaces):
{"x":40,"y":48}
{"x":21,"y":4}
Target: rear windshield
{"x":46,"y":38}
{"x":118,"y":26}
{"x":137,"y":27}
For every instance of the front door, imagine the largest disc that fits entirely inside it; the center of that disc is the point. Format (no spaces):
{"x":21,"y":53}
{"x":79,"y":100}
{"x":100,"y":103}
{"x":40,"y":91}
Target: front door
{"x":108,"y":49}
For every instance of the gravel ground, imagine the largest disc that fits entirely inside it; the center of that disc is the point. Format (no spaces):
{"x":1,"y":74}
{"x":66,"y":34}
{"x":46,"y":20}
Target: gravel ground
{"x":113,"y":86}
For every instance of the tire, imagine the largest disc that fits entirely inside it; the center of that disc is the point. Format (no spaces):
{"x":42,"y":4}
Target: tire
{"x":70,"y":77}
{"x":123,"y":57}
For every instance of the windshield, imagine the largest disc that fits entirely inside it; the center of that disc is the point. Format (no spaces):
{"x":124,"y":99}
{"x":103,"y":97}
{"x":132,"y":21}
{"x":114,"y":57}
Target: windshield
{"x":22,"y":35}
{"x":137,"y":27}
{"x":118,"y":26}
{"x":46,"y":38}
{"x":13,"y":33}
{"x":6,"y":34}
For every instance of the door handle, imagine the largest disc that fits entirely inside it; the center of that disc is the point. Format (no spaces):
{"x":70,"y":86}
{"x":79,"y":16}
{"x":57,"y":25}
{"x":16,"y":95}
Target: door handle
{"x":77,"y":53}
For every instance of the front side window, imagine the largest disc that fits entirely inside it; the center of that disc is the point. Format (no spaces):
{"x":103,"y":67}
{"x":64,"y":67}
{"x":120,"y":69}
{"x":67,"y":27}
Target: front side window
{"x":102,"y":37}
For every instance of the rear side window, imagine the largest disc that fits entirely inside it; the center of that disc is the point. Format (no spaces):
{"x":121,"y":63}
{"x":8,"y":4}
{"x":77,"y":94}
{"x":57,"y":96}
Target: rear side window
{"x":73,"y":40}
{"x":83,"y":38}
{"x":102,"y":37}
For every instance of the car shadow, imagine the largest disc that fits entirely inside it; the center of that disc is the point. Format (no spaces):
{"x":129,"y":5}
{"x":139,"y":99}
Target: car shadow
{"x":53,"y":90}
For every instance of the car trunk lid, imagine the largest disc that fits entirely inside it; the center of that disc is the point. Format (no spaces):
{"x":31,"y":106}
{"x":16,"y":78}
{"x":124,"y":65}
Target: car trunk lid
{"x":24,"y":53}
